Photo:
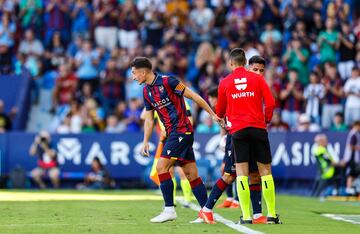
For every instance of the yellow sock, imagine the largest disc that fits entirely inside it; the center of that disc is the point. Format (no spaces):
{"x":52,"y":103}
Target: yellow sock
{"x":186,"y":188}
{"x":244,"y":196}
{"x":175,"y":186}
{"x":268,"y":191}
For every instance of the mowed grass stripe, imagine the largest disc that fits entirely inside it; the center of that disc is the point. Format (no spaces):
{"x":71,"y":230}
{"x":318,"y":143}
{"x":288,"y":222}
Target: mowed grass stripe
{"x":30,"y":196}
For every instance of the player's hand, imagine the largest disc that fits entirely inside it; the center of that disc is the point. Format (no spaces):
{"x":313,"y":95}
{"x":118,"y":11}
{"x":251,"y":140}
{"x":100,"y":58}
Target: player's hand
{"x":145,"y":150}
{"x":218,"y":120}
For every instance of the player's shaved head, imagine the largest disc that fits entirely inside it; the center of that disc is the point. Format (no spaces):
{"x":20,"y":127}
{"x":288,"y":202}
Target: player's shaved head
{"x":237,"y":57}
{"x":141,"y":62}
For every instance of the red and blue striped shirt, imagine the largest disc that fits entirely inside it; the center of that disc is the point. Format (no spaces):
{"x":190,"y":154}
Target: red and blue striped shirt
{"x":165,"y":96}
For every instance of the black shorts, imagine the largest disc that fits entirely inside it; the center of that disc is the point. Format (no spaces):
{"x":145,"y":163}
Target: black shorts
{"x":354,"y":169}
{"x":251,"y":143}
{"x":229,"y":159}
{"x":179,"y":146}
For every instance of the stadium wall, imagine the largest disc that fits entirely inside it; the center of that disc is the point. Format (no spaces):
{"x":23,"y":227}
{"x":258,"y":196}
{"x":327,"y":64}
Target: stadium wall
{"x":292,"y":158}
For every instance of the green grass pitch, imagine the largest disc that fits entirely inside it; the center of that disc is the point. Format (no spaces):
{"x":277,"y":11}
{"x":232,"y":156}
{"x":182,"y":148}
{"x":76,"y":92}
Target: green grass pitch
{"x":299,"y":214}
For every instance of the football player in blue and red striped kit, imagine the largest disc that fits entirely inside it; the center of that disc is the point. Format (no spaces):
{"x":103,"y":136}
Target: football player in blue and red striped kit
{"x":164,"y":94}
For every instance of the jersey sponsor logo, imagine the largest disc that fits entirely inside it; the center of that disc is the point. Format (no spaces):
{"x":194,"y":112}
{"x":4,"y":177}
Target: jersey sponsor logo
{"x":240,"y":84}
{"x":162,"y":103}
{"x":242,"y":94}
{"x":180,"y":139}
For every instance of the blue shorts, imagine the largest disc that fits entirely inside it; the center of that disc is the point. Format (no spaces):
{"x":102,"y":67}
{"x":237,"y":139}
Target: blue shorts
{"x":179,"y":146}
{"x":229,"y":158}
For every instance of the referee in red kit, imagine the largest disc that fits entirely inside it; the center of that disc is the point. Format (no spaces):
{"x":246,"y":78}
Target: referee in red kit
{"x":246,"y":101}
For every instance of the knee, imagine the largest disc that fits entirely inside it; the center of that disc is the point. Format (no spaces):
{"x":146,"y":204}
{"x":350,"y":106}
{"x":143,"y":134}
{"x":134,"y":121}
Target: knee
{"x":255,"y":178}
{"x":54,"y":174}
{"x":35,"y":174}
{"x":228,"y":178}
{"x":162,"y":167}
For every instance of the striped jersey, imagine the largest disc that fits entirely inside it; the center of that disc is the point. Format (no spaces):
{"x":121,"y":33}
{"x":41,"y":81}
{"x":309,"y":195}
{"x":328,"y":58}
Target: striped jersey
{"x":165,"y":96}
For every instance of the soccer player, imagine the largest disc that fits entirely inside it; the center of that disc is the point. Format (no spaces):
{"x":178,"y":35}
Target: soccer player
{"x":165,"y":95}
{"x":184,"y":183}
{"x":256,"y":65}
{"x":245,"y":89}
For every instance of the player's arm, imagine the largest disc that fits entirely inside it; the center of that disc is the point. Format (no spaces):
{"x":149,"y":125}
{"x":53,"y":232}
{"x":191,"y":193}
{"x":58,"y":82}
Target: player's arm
{"x":188,"y":93}
{"x":221,"y":102}
{"x":148,"y":127}
{"x":269,"y":100}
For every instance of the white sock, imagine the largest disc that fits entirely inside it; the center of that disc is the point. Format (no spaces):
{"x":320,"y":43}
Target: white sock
{"x":169,"y":209}
{"x":205,"y":209}
{"x":229,"y":199}
{"x":258,"y":215}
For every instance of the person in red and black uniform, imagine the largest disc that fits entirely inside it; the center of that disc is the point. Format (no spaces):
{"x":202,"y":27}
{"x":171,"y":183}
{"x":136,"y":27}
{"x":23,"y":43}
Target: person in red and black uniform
{"x":245,"y":99}
{"x":47,"y":160}
{"x":165,"y":95}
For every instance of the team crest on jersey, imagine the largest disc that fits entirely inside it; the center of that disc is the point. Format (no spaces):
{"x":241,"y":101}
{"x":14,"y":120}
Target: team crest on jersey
{"x":180,"y":139}
{"x":161,"y":88}
{"x":240,"y":84}
{"x":168,"y":152}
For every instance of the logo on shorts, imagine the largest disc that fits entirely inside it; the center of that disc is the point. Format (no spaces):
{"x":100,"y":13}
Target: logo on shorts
{"x":229,"y":152}
{"x":240,"y":84}
{"x":180,"y":139}
{"x":161,"y":88}
{"x":168,"y":152}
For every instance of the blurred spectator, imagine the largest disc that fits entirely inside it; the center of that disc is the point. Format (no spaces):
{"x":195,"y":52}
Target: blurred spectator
{"x":277,"y":125}
{"x":267,"y":11}
{"x":178,"y":9}
{"x":333,"y":94}
{"x":328,"y":42}
{"x":75,"y":118}
{"x":305,"y":125}
{"x":97,"y":178}
{"x":89,"y":125}
{"x":5,"y":122}
{"x":65,"y":127}
{"x":55,"y":52}
{"x":86,"y":60}
{"x":338,"y":10}
{"x":352,"y":157}
{"x":65,"y":87}
{"x":347,"y":51}
{"x":80,"y":13}
{"x":293,"y":12}
{"x":129,"y":21}
{"x":270,"y":34}
{"x":7,"y":30}
{"x":132,"y":116}
{"x":56,"y":19}
{"x":292,"y":96}
{"x":153,"y":22}
{"x":201,"y":20}
{"x":112,"y":86}
{"x":352,"y":93}
{"x":113,"y":125}
{"x":296,"y":57}
{"x":47,"y":160}
{"x":313,"y":94}
{"x":105,"y":19}
{"x":206,"y":124}
{"x":338,"y":123}
{"x":86,"y":93}
{"x":31,"y":46}
{"x":30,"y":14}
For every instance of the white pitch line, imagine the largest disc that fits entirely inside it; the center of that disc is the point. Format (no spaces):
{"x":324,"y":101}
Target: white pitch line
{"x":336,"y":217}
{"x":219,"y":218}
{"x":58,"y":224}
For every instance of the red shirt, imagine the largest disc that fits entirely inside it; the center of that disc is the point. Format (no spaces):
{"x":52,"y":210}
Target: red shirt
{"x":241,"y":96}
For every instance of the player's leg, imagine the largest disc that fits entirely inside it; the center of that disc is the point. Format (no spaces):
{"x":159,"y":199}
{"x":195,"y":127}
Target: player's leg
{"x":241,"y":148}
{"x":263,"y":158}
{"x":185,"y":186}
{"x":167,"y":189}
{"x":196,"y":183}
{"x":221,"y":184}
{"x":54,"y":174}
{"x":172,"y":173}
{"x":37,"y":174}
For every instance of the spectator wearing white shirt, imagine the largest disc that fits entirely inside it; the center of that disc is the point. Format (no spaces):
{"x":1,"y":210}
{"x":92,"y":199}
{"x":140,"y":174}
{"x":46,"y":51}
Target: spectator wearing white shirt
{"x":352,"y":93}
{"x":201,"y":20}
{"x":313,"y":94}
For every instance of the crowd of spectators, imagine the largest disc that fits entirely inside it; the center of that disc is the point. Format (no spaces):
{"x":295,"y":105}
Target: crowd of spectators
{"x":81,"y":50}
